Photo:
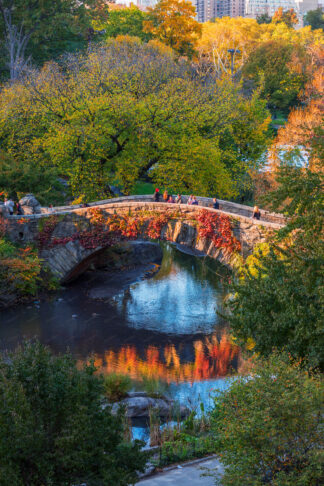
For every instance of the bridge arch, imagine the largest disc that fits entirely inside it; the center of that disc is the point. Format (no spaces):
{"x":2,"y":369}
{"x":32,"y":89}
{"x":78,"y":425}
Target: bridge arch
{"x":67,"y":251}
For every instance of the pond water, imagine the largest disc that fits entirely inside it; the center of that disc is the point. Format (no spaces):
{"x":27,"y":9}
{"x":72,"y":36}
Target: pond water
{"x":165,"y":327}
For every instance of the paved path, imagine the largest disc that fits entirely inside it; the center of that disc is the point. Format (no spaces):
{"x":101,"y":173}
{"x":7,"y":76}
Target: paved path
{"x":186,"y":476}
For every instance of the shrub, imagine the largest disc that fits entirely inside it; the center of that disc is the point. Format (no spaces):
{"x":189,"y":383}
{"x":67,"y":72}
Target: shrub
{"x":7,"y":249}
{"x":270,"y":427}
{"x":116,"y":386}
{"x":154,"y":387}
{"x":53,"y":428}
{"x":19,"y":272}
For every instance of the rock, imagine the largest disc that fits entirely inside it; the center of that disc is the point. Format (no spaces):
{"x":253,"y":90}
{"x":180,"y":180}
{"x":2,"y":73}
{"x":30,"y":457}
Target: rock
{"x":140,"y":406}
{"x":4,"y":210}
{"x":149,"y":469}
{"x":137,"y":394}
{"x":30,"y":205}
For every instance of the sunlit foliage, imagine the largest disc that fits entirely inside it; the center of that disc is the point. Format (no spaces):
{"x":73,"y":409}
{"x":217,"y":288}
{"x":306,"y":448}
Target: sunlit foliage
{"x":270,"y":427}
{"x":128,"y":110}
{"x":173,"y":22}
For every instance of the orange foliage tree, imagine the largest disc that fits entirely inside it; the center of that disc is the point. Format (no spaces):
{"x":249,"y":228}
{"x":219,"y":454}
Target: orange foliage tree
{"x":289,"y":17}
{"x":305,"y":123}
{"x":173,"y":22}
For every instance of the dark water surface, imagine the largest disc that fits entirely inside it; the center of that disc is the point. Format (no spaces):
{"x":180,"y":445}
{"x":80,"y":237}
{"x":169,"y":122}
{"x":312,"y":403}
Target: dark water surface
{"x":165,"y":327}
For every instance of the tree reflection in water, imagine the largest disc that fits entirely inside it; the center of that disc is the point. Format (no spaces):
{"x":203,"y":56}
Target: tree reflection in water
{"x":212,"y":357}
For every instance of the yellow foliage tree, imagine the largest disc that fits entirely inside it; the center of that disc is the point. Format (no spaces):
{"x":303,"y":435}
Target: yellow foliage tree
{"x":244,"y":35}
{"x":173,"y":22}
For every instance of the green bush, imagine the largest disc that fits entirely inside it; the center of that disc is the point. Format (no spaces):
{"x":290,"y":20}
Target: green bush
{"x":116,"y":386}
{"x":53,"y":428}
{"x":154,"y":387}
{"x":7,"y":249}
{"x":270,"y":427}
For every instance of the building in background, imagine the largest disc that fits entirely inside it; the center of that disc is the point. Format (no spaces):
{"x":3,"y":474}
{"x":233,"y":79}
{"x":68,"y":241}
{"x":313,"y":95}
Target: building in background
{"x":210,"y":9}
{"x":143,"y":4}
{"x":253,"y":8}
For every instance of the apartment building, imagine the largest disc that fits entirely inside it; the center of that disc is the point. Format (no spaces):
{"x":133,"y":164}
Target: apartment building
{"x":209,"y":9}
{"x":253,"y":8}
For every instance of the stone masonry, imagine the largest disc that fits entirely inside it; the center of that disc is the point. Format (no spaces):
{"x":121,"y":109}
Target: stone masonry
{"x":69,"y":260}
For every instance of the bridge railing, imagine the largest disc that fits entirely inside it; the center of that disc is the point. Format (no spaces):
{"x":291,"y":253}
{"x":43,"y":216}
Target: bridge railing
{"x":226,"y":206}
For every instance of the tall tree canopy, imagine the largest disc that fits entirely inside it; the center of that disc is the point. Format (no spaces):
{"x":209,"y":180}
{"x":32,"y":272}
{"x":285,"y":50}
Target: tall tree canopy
{"x":315,"y":18}
{"x":173,"y":22}
{"x":125,"y":21}
{"x":129,"y":110}
{"x":278,"y":299}
{"x":288,"y":17}
{"x":42,"y":29}
{"x":245,"y":35}
{"x":53,"y":427}
{"x":304,"y":128}
{"x":274,"y":66}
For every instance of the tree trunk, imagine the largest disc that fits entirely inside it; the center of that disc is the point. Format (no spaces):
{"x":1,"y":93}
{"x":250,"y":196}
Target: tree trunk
{"x":16,"y":41}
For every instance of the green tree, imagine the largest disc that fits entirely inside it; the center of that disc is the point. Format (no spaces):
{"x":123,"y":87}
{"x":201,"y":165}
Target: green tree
{"x":278,"y":299}
{"x":264,"y":18}
{"x":173,"y":23}
{"x":270,"y":427}
{"x":42,"y":29}
{"x":126,"y":21}
{"x":271,"y":66}
{"x":130,"y":110}
{"x":315,"y":18}
{"x":18,"y":178}
{"x":53,"y":428}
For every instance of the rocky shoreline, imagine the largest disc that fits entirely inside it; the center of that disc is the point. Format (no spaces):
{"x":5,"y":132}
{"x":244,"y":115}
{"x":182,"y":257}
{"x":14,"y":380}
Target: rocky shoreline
{"x":139,"y":404}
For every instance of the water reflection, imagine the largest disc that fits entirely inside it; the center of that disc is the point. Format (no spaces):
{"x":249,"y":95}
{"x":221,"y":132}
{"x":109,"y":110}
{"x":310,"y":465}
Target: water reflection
{"x":165,"y":327}
{"x":183,"y":298}
{"x":208,"y":358}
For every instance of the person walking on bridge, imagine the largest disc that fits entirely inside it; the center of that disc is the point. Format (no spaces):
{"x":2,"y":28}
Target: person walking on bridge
{"x":215,"y":203}
{"x":165,"y":196}
{"x":256,"y":213}
{"x":156,"y":195}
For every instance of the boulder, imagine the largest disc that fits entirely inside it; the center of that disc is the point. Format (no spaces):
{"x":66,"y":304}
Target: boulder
{"x":3,"y":210}
{"x":139,"y":405}
{"x":30,"y":205}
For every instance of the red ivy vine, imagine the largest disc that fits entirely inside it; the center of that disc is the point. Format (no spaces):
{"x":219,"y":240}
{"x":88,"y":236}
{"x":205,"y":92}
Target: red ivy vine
{"x":108,"y":230}
{"x":45,"y":233}
{"x":218,"y":228}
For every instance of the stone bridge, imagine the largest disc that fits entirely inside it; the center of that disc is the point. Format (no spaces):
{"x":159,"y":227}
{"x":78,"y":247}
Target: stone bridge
{"x":70,"y":256}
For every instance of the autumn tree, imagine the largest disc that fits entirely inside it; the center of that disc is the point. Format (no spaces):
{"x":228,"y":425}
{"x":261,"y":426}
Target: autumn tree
{"x":288,"y":17}
{"x":245,"y":35}
{"x":303,"y":132}
{"x":173,"y":22}
{"x":40,"y":30}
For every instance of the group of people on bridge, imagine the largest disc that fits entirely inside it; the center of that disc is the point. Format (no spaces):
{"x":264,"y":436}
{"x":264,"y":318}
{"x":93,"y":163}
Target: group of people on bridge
{"x":11,"y":205}
{"x":168,"y":198}
{"x":192,"y":200}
